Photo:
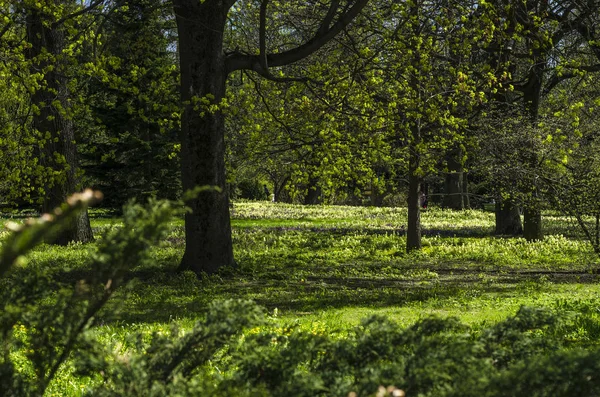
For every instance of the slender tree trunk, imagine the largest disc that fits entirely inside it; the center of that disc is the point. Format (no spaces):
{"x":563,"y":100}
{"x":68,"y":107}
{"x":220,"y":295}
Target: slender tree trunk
{"x":203,"y":74}
{"x":53,"y":121}
{"x":465,"y":188}
{"x":413,"y":230}
{"x":508,"y":219}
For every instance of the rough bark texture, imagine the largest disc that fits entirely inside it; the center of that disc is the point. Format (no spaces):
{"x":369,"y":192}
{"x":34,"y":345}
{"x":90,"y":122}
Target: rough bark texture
{"x":58,"y":153}
{"x":532,"y":224}
{"x":453,"y":183}
{"x":204,"y":69}
{"x":207,"y":227}
{"x":508,"y":219}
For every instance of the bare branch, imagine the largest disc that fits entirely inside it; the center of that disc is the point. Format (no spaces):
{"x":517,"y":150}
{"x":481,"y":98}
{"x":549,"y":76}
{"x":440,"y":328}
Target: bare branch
{"x":329,"y":17}
{"x":236,"y":60}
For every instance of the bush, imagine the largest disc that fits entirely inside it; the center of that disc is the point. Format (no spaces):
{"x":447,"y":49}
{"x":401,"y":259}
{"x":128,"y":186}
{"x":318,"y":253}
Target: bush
{"x":40,"y":329}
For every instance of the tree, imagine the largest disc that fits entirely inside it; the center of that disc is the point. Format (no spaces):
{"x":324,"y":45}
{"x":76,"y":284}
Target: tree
{"x":204,"y":69}
{"x":429,"y":86}
{"x":537,"y":43}
{"x":131,"y":119}
{"x":47,"y":55}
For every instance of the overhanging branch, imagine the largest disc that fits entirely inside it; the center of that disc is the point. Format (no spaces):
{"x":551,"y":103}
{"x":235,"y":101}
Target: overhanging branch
{"x":236,"y":60}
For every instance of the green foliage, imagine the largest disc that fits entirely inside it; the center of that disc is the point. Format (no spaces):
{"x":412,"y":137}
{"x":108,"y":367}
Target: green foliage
{"x":434,"y":357}
{"x":131,"y":117}
{"x":42,"y":325}
{"x":165,"y":365}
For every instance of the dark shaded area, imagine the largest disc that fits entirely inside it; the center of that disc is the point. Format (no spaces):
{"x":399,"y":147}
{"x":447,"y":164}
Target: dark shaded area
{"x":168,"y":295}
{"x":157,"y":293}
{"x":399,"y":231}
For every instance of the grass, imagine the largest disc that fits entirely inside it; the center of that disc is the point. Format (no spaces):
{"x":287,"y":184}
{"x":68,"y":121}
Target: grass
{"x":312,"y":260}
{"x":326,"y":268}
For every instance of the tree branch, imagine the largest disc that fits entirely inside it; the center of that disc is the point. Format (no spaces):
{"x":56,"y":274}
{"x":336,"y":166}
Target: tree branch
{"x":262,"y":33}
{"x":329,"y":17}
{"x":92,"y":5}
{"x":236,"y":60}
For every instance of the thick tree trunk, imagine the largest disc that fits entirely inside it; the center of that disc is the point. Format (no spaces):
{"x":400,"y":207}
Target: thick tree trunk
{"x":453,"y":191}
{"x":203,"y":74}
{"x":59,"y":152}
{"x":453,"y":184}
{"x":532,"y":224}
{"x":532,"y":227}
{"x":508,"y":219}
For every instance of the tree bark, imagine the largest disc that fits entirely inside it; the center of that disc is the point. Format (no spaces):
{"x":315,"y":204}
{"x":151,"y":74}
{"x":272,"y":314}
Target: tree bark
{"x":203,"y":75}
{"x":58,"y":152}
{"x":465,"y":188}
{"x":532,"y":224}
{"x":453,"y":183}
{"x":413,"y":230}
{"x":532,"y":94}
{"x":508,"y":219}
{"x":313,"y":193}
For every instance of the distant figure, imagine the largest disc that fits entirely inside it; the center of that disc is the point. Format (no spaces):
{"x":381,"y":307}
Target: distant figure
{"x":422,"y":199}
{"x":267,"y":193}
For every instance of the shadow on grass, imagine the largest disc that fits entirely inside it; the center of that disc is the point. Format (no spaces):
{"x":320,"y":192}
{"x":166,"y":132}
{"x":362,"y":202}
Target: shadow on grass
{"x":163,"y":296}
{"x":369,"y":231}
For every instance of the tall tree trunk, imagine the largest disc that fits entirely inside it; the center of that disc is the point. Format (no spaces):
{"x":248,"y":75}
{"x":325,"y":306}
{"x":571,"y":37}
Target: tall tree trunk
{"x":203,"y":74}
{"x":532,"y":227}
{"x":532,"y":94}
{"x":465,"y":186}
{"x":453,"y":184}
{"x":58,"y":152}
{"x":508,"y":219}
{"x":413,"y":230}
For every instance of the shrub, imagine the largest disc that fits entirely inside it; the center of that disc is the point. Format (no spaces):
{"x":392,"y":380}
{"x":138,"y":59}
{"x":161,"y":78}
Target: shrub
{"x":40,"y":330}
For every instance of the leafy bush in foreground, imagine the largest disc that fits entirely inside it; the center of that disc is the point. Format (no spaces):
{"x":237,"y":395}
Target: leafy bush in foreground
{"x":43,"y":328}
{"x":40,"y":330}
{"x":525,"y":355}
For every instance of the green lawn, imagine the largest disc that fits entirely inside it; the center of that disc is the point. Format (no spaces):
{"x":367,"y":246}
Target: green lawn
{"x":340,"y":264}
{"x":325,"y":268}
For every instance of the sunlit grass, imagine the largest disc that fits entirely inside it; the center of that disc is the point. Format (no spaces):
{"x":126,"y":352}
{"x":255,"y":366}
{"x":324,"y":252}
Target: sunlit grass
{"x":325,"y":268}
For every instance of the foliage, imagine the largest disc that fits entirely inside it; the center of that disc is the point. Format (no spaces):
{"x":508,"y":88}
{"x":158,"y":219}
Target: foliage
{"x":59,"y":320}
{"x":129,"y":147}
{"x":434,"y":357}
